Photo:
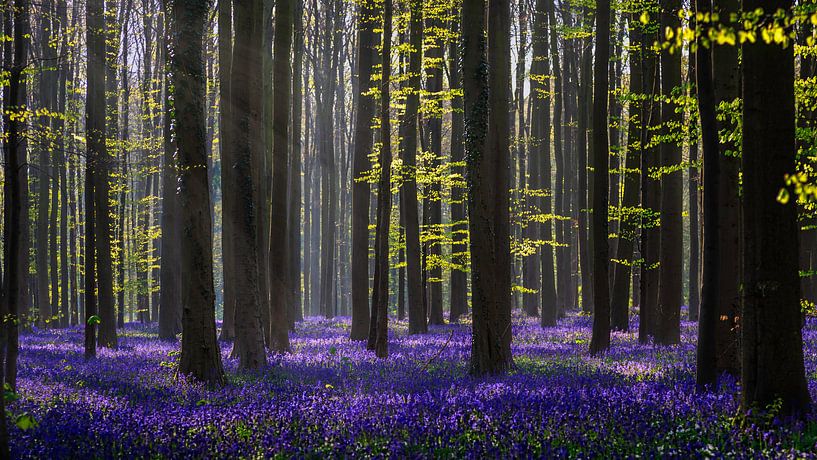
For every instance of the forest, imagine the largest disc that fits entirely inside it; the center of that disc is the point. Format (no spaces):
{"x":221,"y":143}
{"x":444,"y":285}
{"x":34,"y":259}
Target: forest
{"x":408,"y":229}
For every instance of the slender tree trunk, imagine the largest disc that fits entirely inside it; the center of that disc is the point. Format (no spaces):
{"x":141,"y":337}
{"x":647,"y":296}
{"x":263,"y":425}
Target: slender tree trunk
{"x":694,"y":213}
{"x":294,"y":216}
{"x":459,"y":222}
{"x":601,"y":187}
{"x":64,"y":189}
{"x":380,"y":297}
{"x":650,"y":194}
{"x":585,"y":238}
{"x":706,"y":372}
{"x":170,"y":308}
{"x":540,"y":149}
{"x":226,"y":150}
{"x":670,"y":294}
{"x":627,"y":227}
{"x":408,"y":194}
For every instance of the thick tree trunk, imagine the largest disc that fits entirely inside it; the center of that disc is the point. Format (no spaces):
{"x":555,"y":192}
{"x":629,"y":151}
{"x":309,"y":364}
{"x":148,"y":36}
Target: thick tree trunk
{"x":771,"y":334}
{"x":95,"y":134}
{"x":245,"y":98}
{"x":360,"y":188}
{"x":488,"y":154}
{"x":282,"y":96}
{"x":726,"y":72}
{"x":200,"y":356}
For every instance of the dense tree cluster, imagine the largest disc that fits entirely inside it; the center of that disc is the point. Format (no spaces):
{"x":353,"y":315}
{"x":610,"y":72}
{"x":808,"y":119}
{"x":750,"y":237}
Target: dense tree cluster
{"x":259,"y":161}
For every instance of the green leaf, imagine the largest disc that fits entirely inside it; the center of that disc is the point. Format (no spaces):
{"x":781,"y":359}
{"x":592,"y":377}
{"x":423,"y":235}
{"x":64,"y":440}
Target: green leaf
{"x":94,"y":320}
{"x":25,"y":421}
{"x":333,"y":350}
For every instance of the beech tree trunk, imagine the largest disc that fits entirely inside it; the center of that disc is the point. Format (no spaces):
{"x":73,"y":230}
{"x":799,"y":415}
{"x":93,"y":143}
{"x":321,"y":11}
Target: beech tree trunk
{"x":200,"y":355}
{"x":246,"y":102}
{"x":366,"y":37}
{"x":601,"y":188}
{"x":408,"y":195}
{"x":488,"y":158}
{"x":282,"y":94}
{"x":771,"y":326}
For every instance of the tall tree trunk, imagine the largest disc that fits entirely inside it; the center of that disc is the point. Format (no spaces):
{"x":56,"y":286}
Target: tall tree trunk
{"x":650,"y":193}
{"x":771,"y":326}
{"x":706,"y":372}
{"x":329,"y":186}
{"x":95,"y":134}
{"x":408,"y":194}
{"x":488,"y":154}
{"x":200,"y":356}
{"x":170,"y":309}
{"x":127,"y":4}
{"x":16,"y":226}
{"x":726,"y":72}
{"x":601,"y":187}
{"x":694,"y":212}
{"x":670,"y":294}
{"x":246,"y":102}
{"x":585,"y":238}
{"x":540,"y":150}
{"x":282,"y":94}
{"x":64,"y":189}
{"x":360,"y":188}
{"x":380,"y":296}
{"x":459,"y":222}
{"x":227,"y":153}
{"x":562,"y":272}
{"x":627,"y":227}
{"x":433,"y":203}
{"x":45,"y":97}
{"x":294,"y":216}
{"x":102,"y":167}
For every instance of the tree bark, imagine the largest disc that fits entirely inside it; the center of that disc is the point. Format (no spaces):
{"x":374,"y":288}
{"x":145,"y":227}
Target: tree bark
{"x":282,"y":94}
{"x":488,"y":154}
{"x":408,"y":194}
{"x":200,"y":355}
{"x":380,"y":296}
{"x":601,"y":252}
{"x":360,"y":188}
{"x":245,"y":88}
{"x":771,"y":326}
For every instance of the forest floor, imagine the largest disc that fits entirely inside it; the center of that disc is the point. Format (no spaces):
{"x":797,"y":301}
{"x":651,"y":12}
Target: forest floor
{"x":332,"y":398}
